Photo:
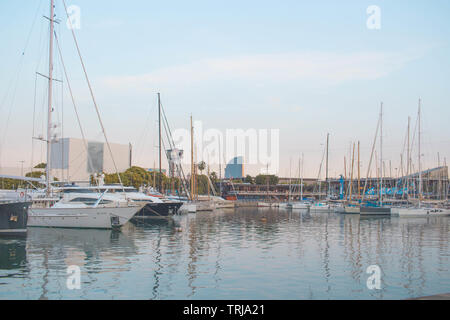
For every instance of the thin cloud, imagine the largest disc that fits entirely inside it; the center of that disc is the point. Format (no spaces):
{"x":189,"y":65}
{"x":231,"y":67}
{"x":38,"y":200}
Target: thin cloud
{"x":322,"y":68}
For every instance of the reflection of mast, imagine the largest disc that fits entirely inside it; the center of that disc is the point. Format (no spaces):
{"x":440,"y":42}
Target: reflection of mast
{"x":45,"y":277}
{"x":193,"y":258}
{"x":158,"y":269}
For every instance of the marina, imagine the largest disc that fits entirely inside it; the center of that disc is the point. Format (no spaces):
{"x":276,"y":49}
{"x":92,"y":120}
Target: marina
{"x":244,"y":253}
{"x":125,"y":194}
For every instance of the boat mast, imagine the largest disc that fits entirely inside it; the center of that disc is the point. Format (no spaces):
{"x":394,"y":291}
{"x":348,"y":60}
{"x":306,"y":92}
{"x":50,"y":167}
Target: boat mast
{"x":420,"y":166}
{"x":381,"y":154}
{"x":290,"y":174}
{"x":408,"y":165}
{"x":220,"y":168}
{"x":301,"y":180}
{"x":351,"y":174}
{"x":359,"y":175}
{"x":326,"y":178}
{"x":159,"y":129}
{"x":50,"y":88}
{"x":192,"y":160}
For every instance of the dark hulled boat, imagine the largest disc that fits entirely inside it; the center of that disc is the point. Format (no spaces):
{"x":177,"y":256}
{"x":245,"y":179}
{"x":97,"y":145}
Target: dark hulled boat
{"x":13,"y":218}
{"x":376,"y":211}
{"x":158,"y":209}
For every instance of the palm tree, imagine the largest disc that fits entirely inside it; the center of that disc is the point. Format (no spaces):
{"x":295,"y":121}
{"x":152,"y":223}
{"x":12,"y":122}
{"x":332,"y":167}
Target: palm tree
{"x":201,"y":166}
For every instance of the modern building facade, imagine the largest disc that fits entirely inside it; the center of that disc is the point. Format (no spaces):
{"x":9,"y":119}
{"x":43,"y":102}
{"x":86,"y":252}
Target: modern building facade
{"x":235,"y":168}
{"x":70,"y":161}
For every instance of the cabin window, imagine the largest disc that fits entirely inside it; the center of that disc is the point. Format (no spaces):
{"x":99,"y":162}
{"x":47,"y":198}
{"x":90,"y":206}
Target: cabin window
{"x":90,"y":201}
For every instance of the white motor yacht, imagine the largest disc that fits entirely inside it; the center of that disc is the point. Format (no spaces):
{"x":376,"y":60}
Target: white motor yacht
{"x":320,"y":206}
{"x":419,"y":212}
{"x":85,"y":210}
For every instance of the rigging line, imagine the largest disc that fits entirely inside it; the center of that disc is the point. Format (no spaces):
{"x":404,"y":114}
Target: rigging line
{"x":33,"y":126}
{"x":32,"y":28}
{"x":92,"y":95}
{"x":371,"y":158}
{"x":13,"y":102}
{"x":73,"y":102}
{"x":23,"y":52}
{"x":179,"y":167}
{"x":320,"y":170}
{"x":143,"y":136}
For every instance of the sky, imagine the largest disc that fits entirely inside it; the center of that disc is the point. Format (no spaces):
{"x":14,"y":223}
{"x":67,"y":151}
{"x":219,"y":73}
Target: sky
{"x":306,"y":68}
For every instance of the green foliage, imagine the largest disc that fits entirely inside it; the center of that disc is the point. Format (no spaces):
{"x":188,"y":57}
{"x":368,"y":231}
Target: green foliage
{"x":10,"y":184}
{"x":213,"y":177}
{"x":137,"y":177}
{"x":202,"y":184}
{"x":35,"y":174}
{"x":41,"y":165}
{"x":248,"y":179}
{"x":201,"y":166}
{"x":264,"y":179}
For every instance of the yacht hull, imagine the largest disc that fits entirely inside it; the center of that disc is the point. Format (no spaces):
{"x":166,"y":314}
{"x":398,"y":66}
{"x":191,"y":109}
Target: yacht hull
{"x":94,"y":218}
{"x":13,"y":218}
{"x":320,"y":208}
{"x":375,"y":211}
{"x":420,"y":212}
{"x":158,"y":210}
{"x":351,"y":210}
{"x":300,"y":206}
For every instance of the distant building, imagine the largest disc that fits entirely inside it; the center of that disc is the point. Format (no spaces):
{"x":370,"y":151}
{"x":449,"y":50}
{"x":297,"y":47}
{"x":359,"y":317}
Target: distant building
{"x":174,"y":157}
{"x":70,"y":161}
{"x":163,"y":171}
{"x":235,"y":168}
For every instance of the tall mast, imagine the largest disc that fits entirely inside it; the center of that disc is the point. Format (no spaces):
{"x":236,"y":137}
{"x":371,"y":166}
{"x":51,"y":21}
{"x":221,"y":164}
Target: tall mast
{"x":359,"y":174}
{"x":301,"y":180}
{"x":381,"y":154}
{"x":159,"y":129}
{"x":439,"y":178}
{"x":50,"y":109}
{"x":192,"y":161}
{"x":351,"y":174}
{"x":420,"y":166}
{"x":220,"y":168}
{"x":408,"y":161}
{"x":326,"y":176}
{"x":290,"y":173}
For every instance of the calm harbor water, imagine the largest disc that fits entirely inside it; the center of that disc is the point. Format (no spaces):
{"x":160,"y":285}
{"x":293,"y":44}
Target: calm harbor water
{"x":249,"y":253}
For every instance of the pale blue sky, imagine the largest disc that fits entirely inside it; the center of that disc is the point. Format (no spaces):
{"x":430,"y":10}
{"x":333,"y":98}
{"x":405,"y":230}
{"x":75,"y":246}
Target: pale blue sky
{"x":307,"y":68}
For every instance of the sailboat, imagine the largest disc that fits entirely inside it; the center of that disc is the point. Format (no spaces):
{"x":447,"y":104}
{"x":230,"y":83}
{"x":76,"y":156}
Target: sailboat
{"x":323,"y":206}
{"x":301,"y":204}
{"x":295,"y":205}
{"x":419,"y":211}
{"x":380,"y":209}
{"x":91,"y":210}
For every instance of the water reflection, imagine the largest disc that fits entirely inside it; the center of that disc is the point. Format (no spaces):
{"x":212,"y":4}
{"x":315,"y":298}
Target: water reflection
{"x":13,"y":255}
{"x":250,"y":253}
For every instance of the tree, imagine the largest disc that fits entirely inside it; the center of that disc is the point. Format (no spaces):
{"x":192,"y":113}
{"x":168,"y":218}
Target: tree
{"x":213,"y":177}
{"x":201,"y":166}
{"x":264,"y":179}
{"x":248,"y":179}
{"x":41,"y":165}
{"x":202,"y":184}
{"x":35,"y":174}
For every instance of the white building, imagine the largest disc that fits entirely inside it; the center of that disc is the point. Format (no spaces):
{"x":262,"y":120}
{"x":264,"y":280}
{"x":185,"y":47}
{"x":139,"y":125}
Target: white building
{"x":70,"y":161}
